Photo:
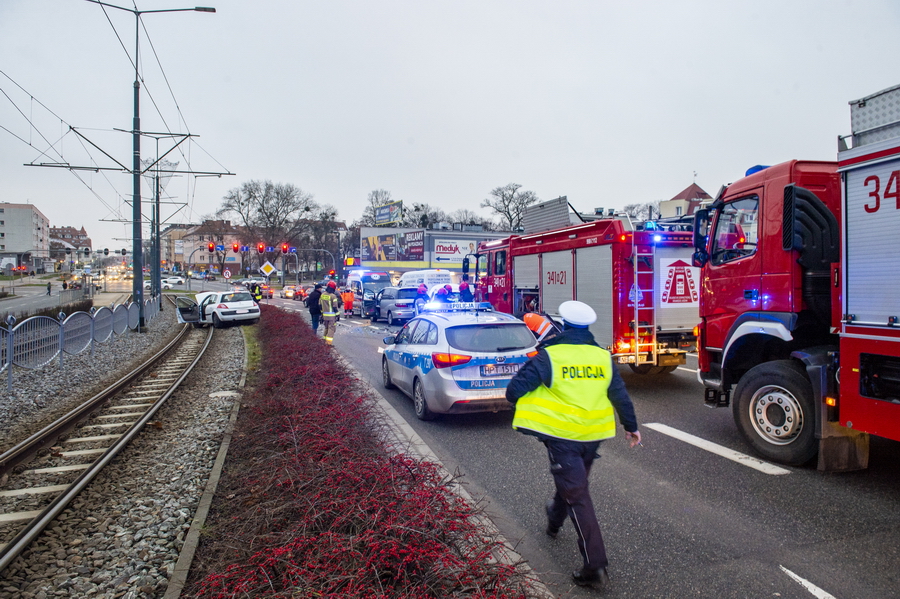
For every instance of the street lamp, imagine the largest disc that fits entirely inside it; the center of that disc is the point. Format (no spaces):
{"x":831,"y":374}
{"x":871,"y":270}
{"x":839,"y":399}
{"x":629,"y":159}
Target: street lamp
{"x":137,"y":287}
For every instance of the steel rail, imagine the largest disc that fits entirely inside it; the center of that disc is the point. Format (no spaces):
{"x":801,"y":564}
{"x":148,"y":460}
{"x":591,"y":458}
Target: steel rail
{"x":34,"y":528}
{"x":26,"y":449}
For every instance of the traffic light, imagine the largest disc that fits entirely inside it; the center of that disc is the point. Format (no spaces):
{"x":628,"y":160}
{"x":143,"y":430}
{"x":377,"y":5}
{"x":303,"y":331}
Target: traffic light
{"x":349,"y":261}
{"x":69,"y":251}
{"x":261,"y":248}
{"x":87,"y":252}
{"x":331,"y":273}
{"x":211,"y":247}
{"x":284,"y":248}
{"x":235,"y":247}
{"x":106,"y":251}
{"x":124,"y":251}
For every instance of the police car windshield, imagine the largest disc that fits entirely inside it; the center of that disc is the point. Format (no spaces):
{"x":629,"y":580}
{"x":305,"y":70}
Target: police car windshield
{"x":490,"y":338}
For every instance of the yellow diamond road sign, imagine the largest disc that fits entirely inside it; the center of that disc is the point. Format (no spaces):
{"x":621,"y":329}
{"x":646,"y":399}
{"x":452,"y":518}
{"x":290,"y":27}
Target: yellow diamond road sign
{"x":267,"y":269}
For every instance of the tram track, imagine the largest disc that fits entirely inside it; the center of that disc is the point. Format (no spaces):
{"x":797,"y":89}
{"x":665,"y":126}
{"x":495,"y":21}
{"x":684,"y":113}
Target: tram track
{"x":69,"y":453}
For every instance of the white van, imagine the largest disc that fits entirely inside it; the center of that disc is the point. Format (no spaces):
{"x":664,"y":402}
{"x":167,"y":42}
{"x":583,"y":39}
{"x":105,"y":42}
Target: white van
{"x":430,"y":278}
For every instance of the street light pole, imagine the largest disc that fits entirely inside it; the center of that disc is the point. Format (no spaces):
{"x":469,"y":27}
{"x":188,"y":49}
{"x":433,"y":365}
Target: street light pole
{"x":137,"y":287}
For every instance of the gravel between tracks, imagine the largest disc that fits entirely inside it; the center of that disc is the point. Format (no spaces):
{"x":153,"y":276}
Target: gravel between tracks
{"x":121,"y":537}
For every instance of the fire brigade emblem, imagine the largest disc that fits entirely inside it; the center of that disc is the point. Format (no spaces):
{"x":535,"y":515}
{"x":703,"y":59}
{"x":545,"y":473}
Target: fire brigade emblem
{"x":680,"y":285}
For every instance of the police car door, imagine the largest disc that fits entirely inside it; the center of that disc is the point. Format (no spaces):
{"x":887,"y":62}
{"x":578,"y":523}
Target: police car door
{"x":402,"y":358}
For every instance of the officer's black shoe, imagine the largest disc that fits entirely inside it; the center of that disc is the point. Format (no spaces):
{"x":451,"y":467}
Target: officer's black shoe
{"x":587,"y":577}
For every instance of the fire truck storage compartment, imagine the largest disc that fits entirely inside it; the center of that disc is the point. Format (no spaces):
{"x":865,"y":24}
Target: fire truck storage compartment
{"x":527,"y":272}
{"x":677,"y":293}
{"x":556,"y":287}
{"x":872,"y":277}
{"x":879,"y":377}
{"x":593,"y":267}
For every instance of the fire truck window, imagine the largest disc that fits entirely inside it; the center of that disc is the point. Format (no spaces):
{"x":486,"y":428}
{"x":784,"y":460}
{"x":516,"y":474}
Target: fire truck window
{"x":482,"y":266}
{"x":736,"y":231}
{"x":500,"y":263}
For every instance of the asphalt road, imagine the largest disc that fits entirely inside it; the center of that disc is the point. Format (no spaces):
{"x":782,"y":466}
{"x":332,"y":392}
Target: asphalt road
{"x":678,"y":520}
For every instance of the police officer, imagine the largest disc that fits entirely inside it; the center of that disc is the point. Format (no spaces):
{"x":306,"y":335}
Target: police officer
{"x":315,"y":311}
{"x":565,"y":396}
{"x":330,"y":304}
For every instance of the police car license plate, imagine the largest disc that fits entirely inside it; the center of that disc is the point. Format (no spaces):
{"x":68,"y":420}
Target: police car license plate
{"x":499,"y":369}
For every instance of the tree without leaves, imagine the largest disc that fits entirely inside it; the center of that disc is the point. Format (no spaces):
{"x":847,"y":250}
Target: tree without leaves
{"x":376,"y":198}
{"x":645,"y":211}
{"x":509,"y":203}
{"x":270,"y":212}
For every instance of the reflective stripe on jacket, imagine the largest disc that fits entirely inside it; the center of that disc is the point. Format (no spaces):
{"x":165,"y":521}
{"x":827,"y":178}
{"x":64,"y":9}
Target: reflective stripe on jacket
{"x":329,"y":304}
{"x":576,"y":405}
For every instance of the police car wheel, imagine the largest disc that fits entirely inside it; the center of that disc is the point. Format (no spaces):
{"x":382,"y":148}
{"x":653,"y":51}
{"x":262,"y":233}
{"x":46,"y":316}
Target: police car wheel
{"x":386,"y":375}
{"x":420,"y":404}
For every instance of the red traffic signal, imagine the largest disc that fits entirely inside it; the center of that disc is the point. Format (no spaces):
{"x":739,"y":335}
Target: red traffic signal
{"x":284,"y":248}
{"x":261,"y":248}
{"x":211,"y":247}
{"x":331,"y":273}
{"x":235,"y":247}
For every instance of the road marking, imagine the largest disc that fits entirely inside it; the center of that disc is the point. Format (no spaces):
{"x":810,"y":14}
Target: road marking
{"x":694,"y":370}
{"x":730,"y":454}
{"x":816,"y":591}
{"x":380,"y":350}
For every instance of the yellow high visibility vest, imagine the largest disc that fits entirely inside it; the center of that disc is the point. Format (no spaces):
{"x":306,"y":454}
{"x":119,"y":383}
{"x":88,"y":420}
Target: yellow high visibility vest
{"x":328,"y":302}
{"x":576,"y":405}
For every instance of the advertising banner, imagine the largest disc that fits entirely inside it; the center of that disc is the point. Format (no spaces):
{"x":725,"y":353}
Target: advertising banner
{"x":389,"y":213}
{"x":379,"y":248}
{"x":411,"y":246}
{"x":179,"y":246}
{"x":451,"y":251}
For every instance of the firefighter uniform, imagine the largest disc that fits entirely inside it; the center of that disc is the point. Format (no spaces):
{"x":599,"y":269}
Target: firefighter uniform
{"x":330,"y":303}
{"x":567,"y":396}
{"x":542,"y":327}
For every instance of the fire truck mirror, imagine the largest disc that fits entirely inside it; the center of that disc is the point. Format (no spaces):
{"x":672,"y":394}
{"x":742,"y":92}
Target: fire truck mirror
{"x":701,"y":228}
{"x":699,"y":258}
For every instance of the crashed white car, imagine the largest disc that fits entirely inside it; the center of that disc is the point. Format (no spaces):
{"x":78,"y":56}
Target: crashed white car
{"x":217,"y":308}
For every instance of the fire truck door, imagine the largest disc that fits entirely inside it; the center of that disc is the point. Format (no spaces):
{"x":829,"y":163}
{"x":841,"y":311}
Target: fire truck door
{"x":556,"y":280}
{"x":594,"y":286}
{"x":732,"y":283}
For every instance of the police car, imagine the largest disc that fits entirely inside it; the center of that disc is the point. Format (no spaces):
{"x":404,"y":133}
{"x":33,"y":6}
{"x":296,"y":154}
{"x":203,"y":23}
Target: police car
{"x":456,"y":358}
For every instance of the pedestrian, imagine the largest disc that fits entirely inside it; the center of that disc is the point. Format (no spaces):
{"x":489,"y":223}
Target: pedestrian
{"x":65,"y":285}
{"x":330,"y":304}
{"x":48,"y":287}
{"x":543,"y":328}
{"x":315,"y":311}
{"x":465,"y":294}
{"x":348,"y":297}
{"x":565,"y":396}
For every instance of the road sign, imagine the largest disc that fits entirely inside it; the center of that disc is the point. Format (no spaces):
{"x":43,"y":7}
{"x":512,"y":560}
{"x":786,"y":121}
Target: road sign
{"x":226,"y":273}
{"x":267,"y":269}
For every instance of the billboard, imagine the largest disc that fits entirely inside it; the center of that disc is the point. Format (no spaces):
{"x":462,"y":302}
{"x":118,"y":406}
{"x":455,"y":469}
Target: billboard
{"x":451,"y":251}
{"x":388,"y":213}
{"x":406,"y":246}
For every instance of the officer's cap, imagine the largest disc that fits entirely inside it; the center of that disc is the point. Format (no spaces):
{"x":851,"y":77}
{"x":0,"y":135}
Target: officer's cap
{"x":577,"y":314}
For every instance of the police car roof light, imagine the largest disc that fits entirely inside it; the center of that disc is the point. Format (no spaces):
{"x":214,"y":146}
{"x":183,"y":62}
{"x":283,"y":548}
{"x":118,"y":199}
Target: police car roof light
{"x":458,"y":307}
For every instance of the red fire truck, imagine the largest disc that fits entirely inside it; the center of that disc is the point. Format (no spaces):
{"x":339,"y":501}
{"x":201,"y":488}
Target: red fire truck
{"x":799,"y":310}
{"x":640,"y":283}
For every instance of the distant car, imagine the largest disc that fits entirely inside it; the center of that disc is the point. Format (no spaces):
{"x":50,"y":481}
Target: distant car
{"x":288,"y":292}
{"x":266,"y":291}
{"x":163,"y":284}
{"x":217,"y":308}
{"x":210,"y":277}
{"x":302,"y":293}
{"x":174,"y":280}
{"x":395,"y":304}
{"x":454,"y":360}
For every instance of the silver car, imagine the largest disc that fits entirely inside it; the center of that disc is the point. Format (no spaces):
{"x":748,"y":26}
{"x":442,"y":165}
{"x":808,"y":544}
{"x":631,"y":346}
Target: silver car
{"x":395,"y":303}
{"x":456,"y":358}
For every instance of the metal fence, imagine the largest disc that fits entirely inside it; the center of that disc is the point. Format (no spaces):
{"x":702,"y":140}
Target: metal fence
{"x":37,"y":341}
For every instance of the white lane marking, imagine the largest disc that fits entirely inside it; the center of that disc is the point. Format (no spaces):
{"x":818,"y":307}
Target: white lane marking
{"x":730,"y":454}
{"x":816,"y":591}
{"x":694,"y":370}
{"x":380,"y":350}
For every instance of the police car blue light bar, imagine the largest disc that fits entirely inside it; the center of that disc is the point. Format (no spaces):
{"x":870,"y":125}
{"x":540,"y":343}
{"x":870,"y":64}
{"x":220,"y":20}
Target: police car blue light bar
{"x":458,"y":307}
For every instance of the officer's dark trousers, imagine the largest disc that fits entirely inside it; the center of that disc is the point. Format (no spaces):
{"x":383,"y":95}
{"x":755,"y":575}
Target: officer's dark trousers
{"x":570,"y":464}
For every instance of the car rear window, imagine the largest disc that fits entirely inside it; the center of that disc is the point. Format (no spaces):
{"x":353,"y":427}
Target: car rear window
{"x":237,"y":297}
{"x":407,"y":293}
{"x":490,"y":338}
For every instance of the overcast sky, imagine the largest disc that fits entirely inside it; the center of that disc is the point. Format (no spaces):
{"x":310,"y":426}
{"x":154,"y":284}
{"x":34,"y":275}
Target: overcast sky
{"x":608,"y":103}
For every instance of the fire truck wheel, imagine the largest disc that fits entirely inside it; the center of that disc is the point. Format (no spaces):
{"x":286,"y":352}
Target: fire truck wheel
{"x":774,"y":412}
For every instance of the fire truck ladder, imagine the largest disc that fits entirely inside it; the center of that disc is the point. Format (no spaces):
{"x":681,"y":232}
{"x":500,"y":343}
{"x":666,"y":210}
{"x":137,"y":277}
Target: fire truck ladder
{"x":645,"y":347}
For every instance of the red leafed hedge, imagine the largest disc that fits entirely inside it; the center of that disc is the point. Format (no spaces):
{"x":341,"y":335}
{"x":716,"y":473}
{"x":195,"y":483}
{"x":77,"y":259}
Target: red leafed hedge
{"x":320,"y":508}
